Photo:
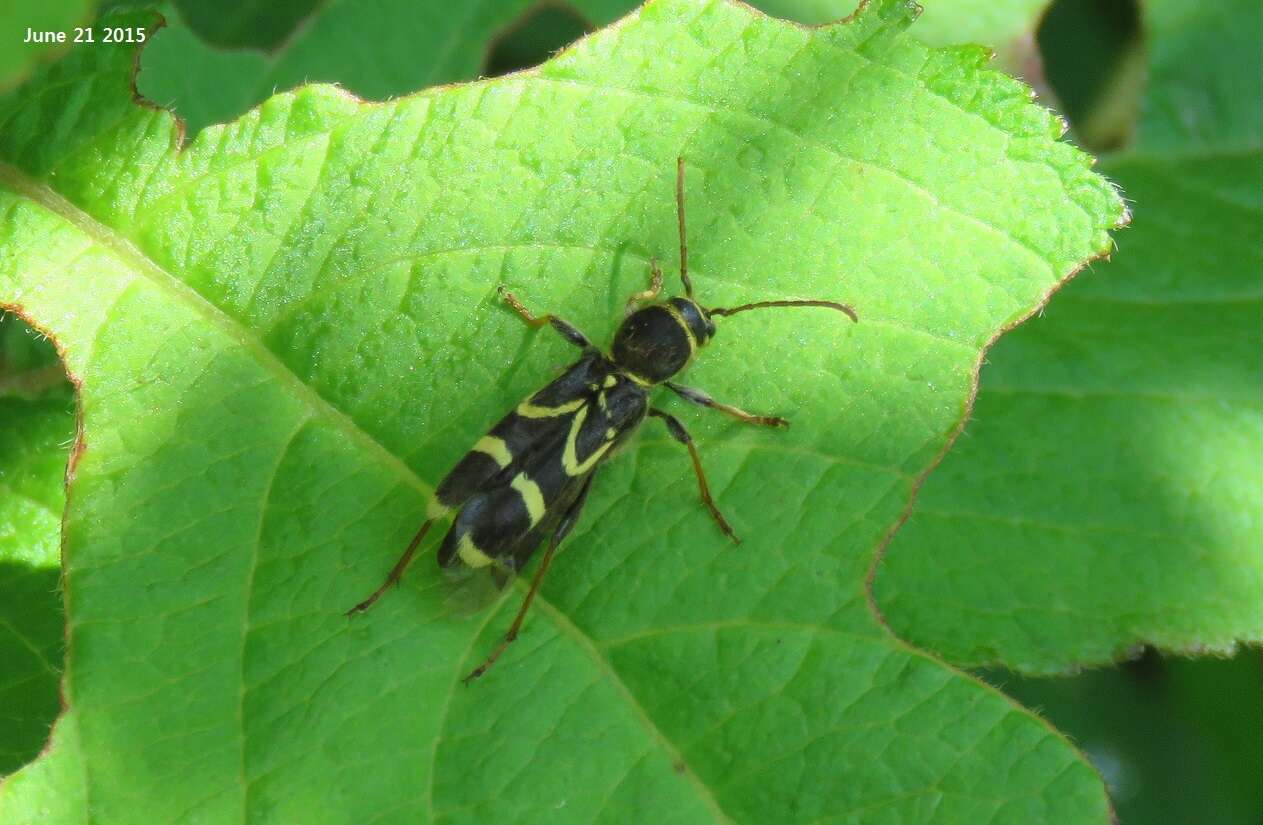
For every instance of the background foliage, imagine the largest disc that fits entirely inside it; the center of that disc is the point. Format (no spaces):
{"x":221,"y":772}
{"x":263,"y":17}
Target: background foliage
{"x":1024,"y":549}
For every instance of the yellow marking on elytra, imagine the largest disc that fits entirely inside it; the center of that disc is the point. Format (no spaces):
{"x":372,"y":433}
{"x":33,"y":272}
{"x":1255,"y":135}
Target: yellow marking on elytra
{"x":531,"y":496}
{"x":436,"y":509}
{"x":528,"y":410}
{"x":569,"y":456}
{"x":600,"y":401}
{"x":470,"y":554}
{"x":611,"y":381}
{"x":611,"y":433}
{"x":496,"y":448}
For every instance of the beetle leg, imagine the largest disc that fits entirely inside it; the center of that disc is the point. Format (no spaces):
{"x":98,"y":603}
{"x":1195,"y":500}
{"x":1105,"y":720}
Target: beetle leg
{"x":655,"y":287}
{"x":681,"y":435}
{"x":563,"y":529}
{"x":564,"y":328}
{"x":396,"y":572}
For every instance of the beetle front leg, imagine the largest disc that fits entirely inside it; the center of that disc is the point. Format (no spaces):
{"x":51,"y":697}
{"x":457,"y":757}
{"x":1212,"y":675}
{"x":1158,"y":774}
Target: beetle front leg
{"x":564,"y":328}
{"x":655,"y":287}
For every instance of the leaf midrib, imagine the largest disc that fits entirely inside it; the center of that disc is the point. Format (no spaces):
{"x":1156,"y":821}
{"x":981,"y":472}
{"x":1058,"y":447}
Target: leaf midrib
{"x":129,"y":254}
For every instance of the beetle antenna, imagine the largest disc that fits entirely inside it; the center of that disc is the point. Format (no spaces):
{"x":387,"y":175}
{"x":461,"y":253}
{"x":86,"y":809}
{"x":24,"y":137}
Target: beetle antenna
{"x":679,"y":209}
{"x":761,"y":304}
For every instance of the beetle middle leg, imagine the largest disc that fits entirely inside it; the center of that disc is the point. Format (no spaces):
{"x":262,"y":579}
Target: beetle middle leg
{"x":703,"y":399}
{"x":564,"y":527}
{"x":681,"y":435}
{"x":564,"y":328}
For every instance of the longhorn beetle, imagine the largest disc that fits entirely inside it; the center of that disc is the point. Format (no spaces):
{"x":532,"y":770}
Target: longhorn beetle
{"x":528,"y":478}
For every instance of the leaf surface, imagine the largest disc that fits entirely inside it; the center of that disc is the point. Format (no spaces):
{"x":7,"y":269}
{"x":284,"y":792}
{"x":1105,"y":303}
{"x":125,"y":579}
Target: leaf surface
{"x":1107,"y":494}
{"x":287,"y":331}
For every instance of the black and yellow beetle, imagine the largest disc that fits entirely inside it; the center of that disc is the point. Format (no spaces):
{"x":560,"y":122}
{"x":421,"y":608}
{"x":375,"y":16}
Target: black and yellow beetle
{"x":528,"y":478}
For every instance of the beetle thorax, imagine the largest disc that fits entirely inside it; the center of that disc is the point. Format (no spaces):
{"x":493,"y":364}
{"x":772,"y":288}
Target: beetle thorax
{"x":657,"y":341}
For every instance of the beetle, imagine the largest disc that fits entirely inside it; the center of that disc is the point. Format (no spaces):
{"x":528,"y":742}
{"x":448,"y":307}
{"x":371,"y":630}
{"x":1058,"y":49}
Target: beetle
{"x":528,"y":478}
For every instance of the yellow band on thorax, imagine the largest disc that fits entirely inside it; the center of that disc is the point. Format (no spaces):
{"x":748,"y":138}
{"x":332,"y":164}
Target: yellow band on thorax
{"x":688,"y":330}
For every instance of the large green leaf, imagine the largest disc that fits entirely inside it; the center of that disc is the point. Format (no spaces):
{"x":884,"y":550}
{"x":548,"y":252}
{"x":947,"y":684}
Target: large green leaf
{"x":1107,"y":494}
{"x":382,"y":48}
{"x":288,"y":330}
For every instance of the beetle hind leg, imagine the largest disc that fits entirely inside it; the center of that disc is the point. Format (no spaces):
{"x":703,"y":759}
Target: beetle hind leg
{"x":563,"y":529}
{"x":396,"y":572}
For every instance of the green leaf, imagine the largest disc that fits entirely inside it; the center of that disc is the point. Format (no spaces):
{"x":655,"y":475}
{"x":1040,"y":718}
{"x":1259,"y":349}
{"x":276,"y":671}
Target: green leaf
{"x":35,"y":435}
{"x":245,"y":23}
{"x":1106,"y":495}
{"x":288,"y":330}
{"x":1174,"y":738}
{"x":25,"y":358}
{"x":1204,"y":95}
{"x":375,"y":49}
{"x":384,"y":48}
{"x":17,"y":57}
{"x":998,"y":22}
